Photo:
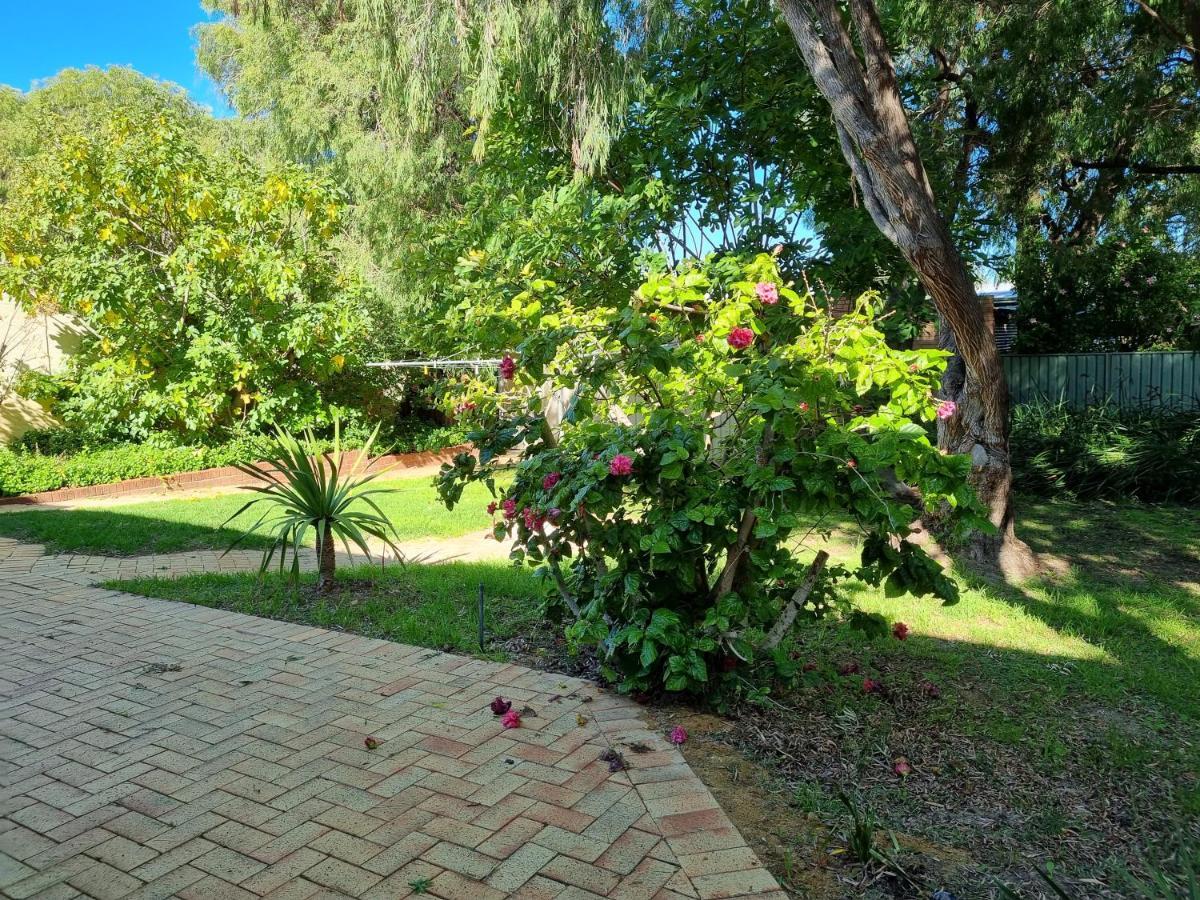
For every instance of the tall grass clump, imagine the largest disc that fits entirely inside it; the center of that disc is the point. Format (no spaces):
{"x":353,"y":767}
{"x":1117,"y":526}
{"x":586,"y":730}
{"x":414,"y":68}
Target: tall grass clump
{"x":1105,"y":452}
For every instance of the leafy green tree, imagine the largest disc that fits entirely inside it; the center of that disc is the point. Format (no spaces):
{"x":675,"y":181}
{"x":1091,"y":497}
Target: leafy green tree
{"x":84,"y":99}
{"x":211,"y":289}
{"x":1118,"y":294}
{"x":1070,"y":129}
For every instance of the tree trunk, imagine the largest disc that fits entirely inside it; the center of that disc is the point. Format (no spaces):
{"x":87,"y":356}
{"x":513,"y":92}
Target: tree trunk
{"x":878,"y":145}
{"x":326,"y":558}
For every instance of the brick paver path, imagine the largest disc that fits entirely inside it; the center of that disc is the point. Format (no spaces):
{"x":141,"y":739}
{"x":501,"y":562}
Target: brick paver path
{"x":154,"y":749}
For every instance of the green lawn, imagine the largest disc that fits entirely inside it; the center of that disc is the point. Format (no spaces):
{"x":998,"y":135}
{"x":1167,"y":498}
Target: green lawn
{"x":165,"y":526}
{"x":430,"y":606}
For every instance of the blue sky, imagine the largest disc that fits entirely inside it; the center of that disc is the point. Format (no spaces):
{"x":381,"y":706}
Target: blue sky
{"x":152,"y":36}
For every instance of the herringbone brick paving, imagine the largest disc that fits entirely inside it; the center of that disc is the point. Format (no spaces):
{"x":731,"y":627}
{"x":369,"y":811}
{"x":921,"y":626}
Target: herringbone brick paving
{"x":152,"y":749}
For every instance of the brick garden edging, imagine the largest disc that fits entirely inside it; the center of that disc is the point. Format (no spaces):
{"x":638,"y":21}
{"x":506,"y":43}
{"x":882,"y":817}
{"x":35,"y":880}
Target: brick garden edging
{"x":225,"y":476}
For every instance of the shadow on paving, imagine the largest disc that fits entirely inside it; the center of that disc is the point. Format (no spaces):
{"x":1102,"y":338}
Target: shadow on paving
{"x":123,"y":532}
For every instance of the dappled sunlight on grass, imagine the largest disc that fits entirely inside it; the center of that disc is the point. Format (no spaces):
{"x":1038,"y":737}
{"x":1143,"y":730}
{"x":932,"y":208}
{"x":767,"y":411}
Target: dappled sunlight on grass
{"x":982,"y":620}
{"x":1125,"y":613}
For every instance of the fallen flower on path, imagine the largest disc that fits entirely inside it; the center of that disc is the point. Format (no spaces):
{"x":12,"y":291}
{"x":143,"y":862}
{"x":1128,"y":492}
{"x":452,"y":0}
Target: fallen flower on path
{"x":371,"y":743}
{"x":511,"y":719}
{"x":500,"y":706}
{"x":616,"y":762}
{"x":901,"y":767}
{"x":678,"y":735}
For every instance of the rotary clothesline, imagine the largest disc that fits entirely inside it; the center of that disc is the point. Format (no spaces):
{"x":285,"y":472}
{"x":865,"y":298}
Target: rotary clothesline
{"x":475,"y":364}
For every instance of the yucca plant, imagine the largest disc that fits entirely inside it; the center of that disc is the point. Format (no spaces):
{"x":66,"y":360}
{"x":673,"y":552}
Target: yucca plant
{"x":303,"y":489}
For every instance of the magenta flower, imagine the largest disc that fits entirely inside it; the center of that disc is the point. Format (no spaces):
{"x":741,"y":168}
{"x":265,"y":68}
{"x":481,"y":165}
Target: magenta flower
{"x":511,"y":719}
{"x":508,"y":367}
{"x":678,"y":735}
{"x":740,"y":338}
{"x":900,"y":631}
{"x":500,"y":706}
{"x":871,"y":686}
{"x":946,"y":409}
{"x":621,"y":465}
{"x":901,"y":766}
{"x":551,"y":480}
{"x":510,"y":508}
{"x":767,"y":292}
{"x":491,"y":508}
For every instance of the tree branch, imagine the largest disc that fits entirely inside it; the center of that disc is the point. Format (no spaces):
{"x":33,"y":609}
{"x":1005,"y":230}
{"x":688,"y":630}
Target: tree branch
{"x":1167,"y":26}
{"x":1124,"y":164}
{"x":788,"y":616}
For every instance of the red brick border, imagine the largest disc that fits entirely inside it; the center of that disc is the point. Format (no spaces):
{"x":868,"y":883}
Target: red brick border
{"x":226,"y":476}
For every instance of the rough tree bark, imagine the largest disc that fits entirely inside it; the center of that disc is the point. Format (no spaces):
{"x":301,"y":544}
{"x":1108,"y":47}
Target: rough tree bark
{"x":326,"y":557}
{"x":876,"y":140}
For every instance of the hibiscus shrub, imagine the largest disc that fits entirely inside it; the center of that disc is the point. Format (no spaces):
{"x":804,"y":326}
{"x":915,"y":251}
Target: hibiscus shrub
{"x":711,"y":426}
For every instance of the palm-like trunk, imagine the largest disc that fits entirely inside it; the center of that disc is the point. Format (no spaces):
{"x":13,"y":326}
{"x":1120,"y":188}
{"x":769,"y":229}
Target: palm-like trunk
{"x":876,"y":140}
{"x":326,"y":558}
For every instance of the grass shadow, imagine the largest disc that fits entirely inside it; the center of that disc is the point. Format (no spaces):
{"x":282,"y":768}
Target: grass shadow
{"x":199,"y":522}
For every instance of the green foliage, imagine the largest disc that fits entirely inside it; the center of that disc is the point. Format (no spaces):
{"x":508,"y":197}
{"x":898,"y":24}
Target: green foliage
{"x":667,"y":509}
{"x":83,"y":100}
{"x":58,"y":458}
{"x":23,"y":472}
{"x":726,"y":123}
{"x":1175,"y":877}
{"x":705,"y":98}
{"x":1135,"y":293}
{"x":210,"y":290}
{"x":304,"y":489}
{"x":1050,"y":119}
{"x":1105,"y":452}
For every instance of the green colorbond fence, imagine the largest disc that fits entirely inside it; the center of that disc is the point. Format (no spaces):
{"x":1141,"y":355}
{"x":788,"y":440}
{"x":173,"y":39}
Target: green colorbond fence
{"x":1168,"y":380}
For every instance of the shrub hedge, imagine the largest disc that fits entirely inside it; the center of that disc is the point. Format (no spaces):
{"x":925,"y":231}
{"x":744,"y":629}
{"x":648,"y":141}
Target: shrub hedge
{"x":52,"y":459}
{"x":1103,"y":452}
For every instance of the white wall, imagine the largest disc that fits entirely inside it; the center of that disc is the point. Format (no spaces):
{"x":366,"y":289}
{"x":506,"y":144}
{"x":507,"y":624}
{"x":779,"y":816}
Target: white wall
{"x":40,"y":342}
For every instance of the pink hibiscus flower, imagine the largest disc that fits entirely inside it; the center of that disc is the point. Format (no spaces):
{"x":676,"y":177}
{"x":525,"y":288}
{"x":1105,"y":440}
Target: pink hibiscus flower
{"x":740,"y":338}
{"x":767,"y":292}
{"x":621,"y":465}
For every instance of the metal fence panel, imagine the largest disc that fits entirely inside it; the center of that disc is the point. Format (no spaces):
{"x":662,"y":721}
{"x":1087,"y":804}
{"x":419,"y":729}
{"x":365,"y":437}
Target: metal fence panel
{"x":1165,"y":379}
